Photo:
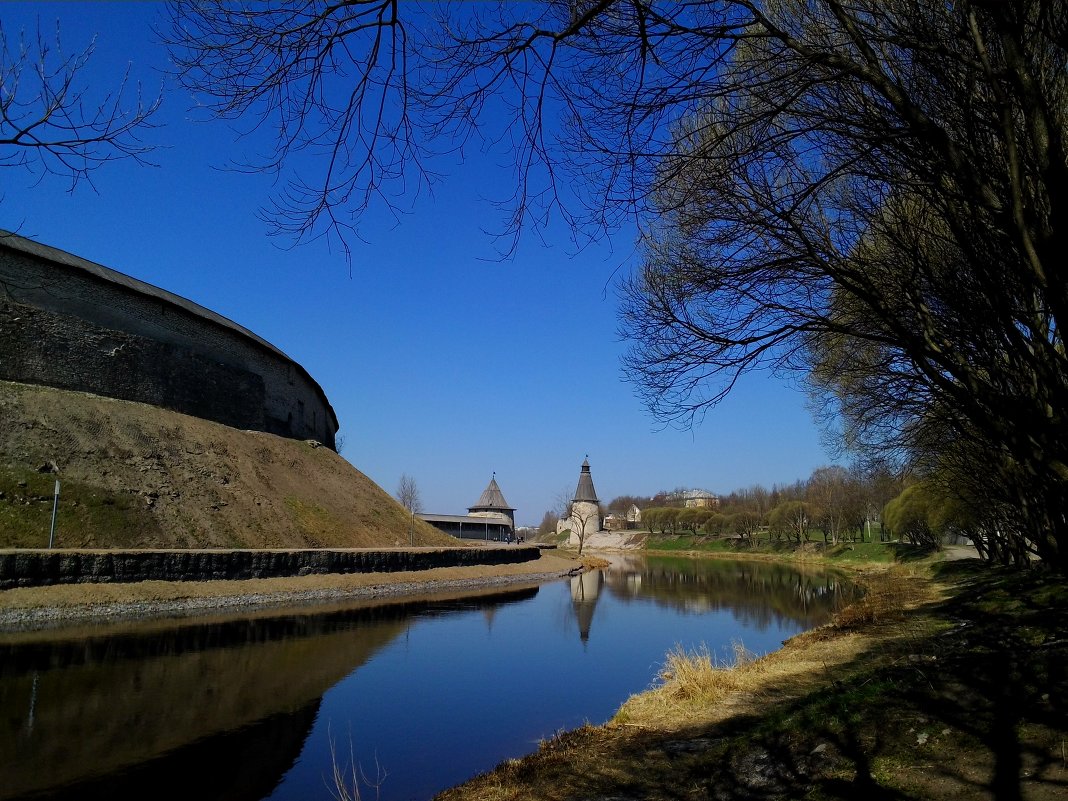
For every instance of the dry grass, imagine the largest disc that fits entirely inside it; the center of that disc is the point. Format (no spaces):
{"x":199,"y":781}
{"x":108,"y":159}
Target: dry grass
{"x":697,"y":688}
{"x":702,"y":676}
{"x":593,"y":562}
{"x":890,"y":595}
{"x":138,"y":476}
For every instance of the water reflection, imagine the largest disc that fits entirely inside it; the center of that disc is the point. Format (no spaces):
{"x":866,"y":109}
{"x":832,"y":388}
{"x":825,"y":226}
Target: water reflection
{"x":758,"y":594}
{"x":100,"y":714}
{"x":436,"y":690}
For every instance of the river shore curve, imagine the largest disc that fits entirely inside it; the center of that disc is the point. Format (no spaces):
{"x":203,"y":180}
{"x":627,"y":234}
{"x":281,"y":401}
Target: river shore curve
{"x":30,"y":608}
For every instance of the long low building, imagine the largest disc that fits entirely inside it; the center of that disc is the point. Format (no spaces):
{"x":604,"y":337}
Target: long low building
{"x":470,"y":527}
{"x":490,"y":518}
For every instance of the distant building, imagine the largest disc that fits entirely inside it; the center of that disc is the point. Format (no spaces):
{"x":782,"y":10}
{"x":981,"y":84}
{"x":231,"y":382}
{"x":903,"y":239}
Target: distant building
{"x":699,"y":499}
{"x":491,"y":504}
{"x":623,"y":521}
{"x":490,"y":518}
{"x":585,"y":516}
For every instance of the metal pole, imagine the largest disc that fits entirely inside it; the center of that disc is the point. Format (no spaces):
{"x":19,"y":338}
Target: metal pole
{"x":55,"y":506}
{"x":411,"y":529}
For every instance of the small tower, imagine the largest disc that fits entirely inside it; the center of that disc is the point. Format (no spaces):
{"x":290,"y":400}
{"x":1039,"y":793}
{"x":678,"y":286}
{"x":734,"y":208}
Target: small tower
{"x":492,"y":504}
{"x":585,"y":517}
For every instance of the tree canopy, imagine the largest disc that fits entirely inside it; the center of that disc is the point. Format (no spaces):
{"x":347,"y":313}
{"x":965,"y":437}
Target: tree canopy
{"x":871,"y":195}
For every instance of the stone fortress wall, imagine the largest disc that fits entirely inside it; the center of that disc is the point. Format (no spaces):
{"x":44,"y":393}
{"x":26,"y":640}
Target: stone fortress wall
{"x":69,"y":323}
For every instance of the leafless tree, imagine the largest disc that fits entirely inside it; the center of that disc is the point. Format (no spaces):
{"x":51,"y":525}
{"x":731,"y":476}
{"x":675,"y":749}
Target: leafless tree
{"x":408,"y":494}
{"x":583,"y":514}
{"x":562,"y":502}
{"x":835,"y":497}
{"x":52,"y":121}
{"x":329,"y":79}
{"x":867,"y":193}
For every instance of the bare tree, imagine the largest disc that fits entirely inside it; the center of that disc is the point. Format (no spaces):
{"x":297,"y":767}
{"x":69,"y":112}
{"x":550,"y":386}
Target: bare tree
{"x":52,"y":121}
{"x":583,"y":514}
{"x":869,"y":194}
{"x":856,"y":203}
{"x":836,"y":499}
{"x":408,"y":494}
{"x":330,"y":79}
{"x":562,"y":502}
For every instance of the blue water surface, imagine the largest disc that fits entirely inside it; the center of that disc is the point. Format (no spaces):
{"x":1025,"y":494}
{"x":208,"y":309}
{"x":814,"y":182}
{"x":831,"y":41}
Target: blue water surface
{"x":418,"y":695}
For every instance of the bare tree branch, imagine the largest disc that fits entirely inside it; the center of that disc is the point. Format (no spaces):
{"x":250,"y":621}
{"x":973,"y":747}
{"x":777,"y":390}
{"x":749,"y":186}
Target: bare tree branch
{"x":51,"y":122}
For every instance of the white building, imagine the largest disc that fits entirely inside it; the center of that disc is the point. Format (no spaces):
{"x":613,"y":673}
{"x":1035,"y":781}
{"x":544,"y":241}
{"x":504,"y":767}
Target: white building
{"x":585,"y":517}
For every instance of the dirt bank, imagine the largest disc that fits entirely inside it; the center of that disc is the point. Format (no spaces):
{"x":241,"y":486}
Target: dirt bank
{"x":39,"y":607}
{"x":944,"y":682}
{"x":137,"y":476}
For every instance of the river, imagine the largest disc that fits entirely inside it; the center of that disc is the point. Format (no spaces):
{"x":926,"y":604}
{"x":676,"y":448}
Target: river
{"x":420,"y":694}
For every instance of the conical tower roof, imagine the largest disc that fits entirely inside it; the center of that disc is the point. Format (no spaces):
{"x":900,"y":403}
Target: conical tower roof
{"x":492,"y":499}
{"x":585,"y":491}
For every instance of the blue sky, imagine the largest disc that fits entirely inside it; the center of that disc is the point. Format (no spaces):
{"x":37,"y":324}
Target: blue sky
{"x":441,"y":360}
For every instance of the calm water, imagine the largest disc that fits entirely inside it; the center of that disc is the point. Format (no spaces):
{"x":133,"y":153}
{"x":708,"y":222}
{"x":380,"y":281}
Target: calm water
{"x":429,"y":692}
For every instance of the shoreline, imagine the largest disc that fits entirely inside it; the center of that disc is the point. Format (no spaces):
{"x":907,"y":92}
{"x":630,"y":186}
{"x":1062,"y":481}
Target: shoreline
{"x":39,"y":608}
{"x":911,"y":677}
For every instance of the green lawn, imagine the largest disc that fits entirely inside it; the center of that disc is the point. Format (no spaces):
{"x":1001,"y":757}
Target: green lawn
{"x":849,"y":552}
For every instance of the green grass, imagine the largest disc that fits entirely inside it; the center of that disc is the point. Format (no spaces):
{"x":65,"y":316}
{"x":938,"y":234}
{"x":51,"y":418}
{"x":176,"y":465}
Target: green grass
{"x":86,"y":514}
{"x":863,"y":552}
{"x":844,"y":552}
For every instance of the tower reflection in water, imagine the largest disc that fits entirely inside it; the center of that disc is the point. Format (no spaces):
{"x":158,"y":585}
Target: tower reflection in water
{"x":755,"y":593}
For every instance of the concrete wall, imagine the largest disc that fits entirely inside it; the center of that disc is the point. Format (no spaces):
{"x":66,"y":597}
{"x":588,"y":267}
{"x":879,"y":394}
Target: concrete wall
{"x":71,"y":324}
{"x":42,"y":567}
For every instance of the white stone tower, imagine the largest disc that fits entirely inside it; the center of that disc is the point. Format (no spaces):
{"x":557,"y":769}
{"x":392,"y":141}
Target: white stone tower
{"x":585,"y":517}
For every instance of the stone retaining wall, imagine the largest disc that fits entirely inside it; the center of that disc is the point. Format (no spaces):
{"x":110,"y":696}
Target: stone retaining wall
{"x":35,"y":568}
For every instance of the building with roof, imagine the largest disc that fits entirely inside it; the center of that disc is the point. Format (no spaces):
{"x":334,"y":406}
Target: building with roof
{"x":584,"y":517}
{"x":490,"y":518}
{"x":69,"y":323}
{"x":699,"y":499}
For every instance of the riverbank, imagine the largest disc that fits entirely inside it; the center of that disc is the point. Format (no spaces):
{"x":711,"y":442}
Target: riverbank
{"x":948,"y":680}
{"x":39,"y":607}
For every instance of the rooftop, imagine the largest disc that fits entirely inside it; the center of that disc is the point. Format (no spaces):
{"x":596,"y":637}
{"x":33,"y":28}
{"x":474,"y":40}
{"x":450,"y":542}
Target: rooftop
{"x":585,"y":491}
{"x":492,"y":499}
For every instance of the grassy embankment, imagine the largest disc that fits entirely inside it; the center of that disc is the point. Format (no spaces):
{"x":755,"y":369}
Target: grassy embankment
{"x":848,"y":553}
{"x":948,"y":680}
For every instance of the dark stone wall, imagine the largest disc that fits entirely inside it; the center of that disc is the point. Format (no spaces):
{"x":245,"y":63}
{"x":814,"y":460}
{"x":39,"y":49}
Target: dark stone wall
{"x":25,"y":568}
{"x":76,"y":302}
{"x":57,"y":350}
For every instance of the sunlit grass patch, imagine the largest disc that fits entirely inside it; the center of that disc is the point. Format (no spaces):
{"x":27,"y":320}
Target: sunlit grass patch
{"x":701,"y":674}
{"x":694,"y":680}
{"x":593,"y":562}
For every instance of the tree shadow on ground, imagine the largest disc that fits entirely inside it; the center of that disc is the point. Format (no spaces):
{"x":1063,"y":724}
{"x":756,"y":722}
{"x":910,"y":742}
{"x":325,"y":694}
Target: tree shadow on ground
{"x":906,"y":552}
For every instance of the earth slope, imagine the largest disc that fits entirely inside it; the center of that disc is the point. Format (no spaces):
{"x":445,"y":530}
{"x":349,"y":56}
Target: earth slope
{"x":138,"y":476}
